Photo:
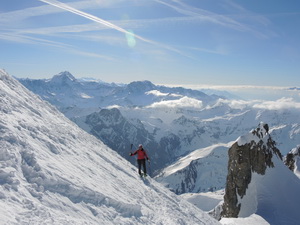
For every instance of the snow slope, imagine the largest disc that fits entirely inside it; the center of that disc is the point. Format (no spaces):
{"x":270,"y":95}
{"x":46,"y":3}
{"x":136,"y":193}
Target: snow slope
{"x":274,"y":196}
{"x":207,"y":201}
{"x":52,"y":172}
{"x":201,"y":171}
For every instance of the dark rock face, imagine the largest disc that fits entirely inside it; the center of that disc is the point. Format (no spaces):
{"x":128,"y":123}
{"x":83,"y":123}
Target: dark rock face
{"x":110,"y":126}
{"x":188,"y":184}
{"x":290,"y":161}
{"x":290,"y":158}
{"x":253,"y":156}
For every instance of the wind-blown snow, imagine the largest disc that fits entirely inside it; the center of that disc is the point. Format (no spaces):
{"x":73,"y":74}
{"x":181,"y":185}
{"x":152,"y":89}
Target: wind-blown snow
{"x":52,"y":172}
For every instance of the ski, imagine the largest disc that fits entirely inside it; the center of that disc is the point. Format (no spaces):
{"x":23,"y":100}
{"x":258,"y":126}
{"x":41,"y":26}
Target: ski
{"x":143,"y":175}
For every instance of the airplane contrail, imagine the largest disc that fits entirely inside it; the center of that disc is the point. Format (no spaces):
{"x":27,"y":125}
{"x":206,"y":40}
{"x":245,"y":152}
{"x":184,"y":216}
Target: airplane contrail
{"x":108,"y":24}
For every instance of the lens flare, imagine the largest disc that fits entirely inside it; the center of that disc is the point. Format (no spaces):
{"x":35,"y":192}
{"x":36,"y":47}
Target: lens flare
{"x":130,"y":39}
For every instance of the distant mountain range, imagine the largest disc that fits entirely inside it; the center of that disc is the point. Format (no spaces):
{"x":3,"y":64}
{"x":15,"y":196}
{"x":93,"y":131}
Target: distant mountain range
{"x":71,"y":94}
{"x":170,"y":122}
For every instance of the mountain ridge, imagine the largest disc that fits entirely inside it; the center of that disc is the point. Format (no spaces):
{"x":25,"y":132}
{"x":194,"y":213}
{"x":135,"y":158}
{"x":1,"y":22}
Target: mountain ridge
{"x":258,"y":182}
{"x":174,"y":121}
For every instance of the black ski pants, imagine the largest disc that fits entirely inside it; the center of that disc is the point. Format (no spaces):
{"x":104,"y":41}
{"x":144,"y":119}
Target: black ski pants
{"x":142,"y":162}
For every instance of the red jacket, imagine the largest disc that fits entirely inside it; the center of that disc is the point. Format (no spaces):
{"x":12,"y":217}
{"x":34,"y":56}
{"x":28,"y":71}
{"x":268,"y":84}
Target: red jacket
{"x":141,"y":154}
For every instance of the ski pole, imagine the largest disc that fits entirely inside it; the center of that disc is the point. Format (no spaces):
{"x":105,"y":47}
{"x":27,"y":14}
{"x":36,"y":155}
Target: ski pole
{"x":150,"y":173}
{"x":131,"y":145}
{"x":130,"y":151}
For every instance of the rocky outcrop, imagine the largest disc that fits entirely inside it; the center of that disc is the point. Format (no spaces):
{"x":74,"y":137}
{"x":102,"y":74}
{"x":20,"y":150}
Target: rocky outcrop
{"x":251,"y":153}
{"x":291,"y":158}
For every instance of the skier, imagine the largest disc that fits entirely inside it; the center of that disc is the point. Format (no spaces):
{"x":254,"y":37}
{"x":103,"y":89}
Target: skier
{"x":142,"y":156}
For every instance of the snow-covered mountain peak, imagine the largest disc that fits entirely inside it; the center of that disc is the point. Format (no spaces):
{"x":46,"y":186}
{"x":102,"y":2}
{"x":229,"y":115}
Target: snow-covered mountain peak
{"x":256,"y":135}
{"x":141,"y":86}
{"x":2,"y":72}
{"x":63,"y":77}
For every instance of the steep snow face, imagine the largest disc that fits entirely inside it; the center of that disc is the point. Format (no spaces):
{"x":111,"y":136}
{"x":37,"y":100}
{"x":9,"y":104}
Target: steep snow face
{"x":274,"y":196}
{"x":201,"y":171}
{"x":258,"y":182}
{"x":52,"y":172}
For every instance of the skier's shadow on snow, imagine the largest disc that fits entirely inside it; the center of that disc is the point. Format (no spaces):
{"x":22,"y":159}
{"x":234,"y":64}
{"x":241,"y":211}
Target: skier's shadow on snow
{"x":146,"y":181}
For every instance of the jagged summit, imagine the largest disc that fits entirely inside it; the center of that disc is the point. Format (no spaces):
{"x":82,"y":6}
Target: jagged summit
{"x":63,"y":77}
{"x":256,"y":135}
{"x":257,"y":179}
{"x":252,"y":152}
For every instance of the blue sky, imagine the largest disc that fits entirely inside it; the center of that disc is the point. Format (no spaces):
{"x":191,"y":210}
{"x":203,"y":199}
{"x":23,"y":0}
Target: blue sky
{"x":180,"y":42}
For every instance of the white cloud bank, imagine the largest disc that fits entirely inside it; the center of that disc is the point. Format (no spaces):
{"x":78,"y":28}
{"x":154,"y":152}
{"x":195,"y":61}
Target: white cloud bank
{"x":184,"y":102}
{"x":249,"y":92}
{"x":158,"y":93}
{"x":282,"y":103}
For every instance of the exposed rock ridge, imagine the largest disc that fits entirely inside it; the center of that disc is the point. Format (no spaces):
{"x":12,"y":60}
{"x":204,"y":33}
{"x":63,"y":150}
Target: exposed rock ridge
{"x":251,"y":153}
{"x":291,"y":158}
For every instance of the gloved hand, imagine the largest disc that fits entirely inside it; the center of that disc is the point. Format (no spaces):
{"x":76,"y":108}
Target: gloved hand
{"x":130,"y":154}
